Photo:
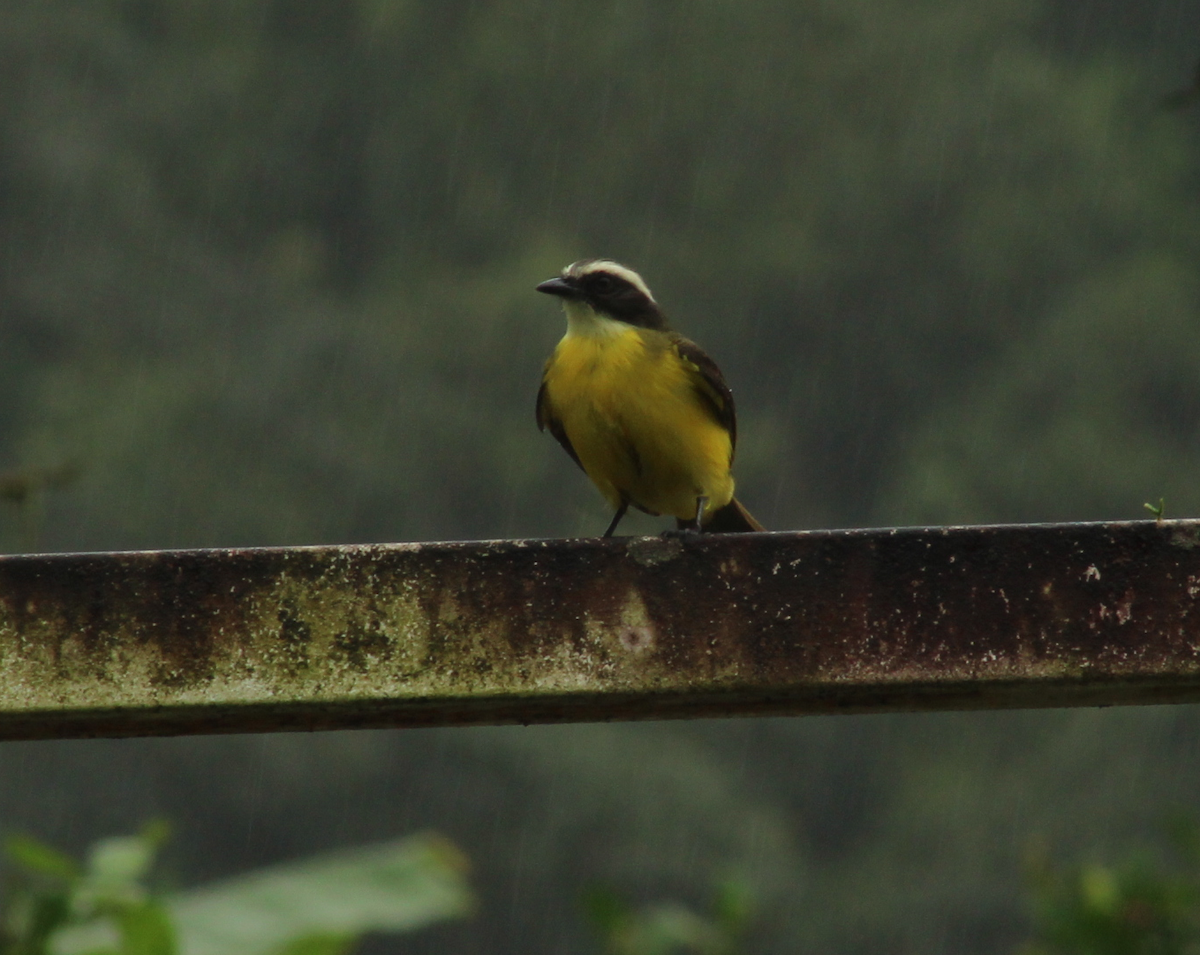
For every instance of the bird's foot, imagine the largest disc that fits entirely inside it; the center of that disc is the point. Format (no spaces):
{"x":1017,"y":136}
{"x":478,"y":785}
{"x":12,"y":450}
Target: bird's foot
{"x":694,"y":527}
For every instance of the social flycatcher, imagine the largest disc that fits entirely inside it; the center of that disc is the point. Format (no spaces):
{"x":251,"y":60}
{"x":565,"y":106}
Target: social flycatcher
{"x":641,"y":409}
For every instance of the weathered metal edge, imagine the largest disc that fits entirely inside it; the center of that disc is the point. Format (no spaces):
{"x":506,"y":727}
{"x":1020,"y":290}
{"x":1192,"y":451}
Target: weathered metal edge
{"x":597,"y":708}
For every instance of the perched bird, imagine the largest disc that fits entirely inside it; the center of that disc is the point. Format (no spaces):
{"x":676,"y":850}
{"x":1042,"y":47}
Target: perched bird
{"x":641,"y":409}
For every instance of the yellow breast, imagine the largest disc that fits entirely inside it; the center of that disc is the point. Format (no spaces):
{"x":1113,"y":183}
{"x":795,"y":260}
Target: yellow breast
{"x":631,"y":410}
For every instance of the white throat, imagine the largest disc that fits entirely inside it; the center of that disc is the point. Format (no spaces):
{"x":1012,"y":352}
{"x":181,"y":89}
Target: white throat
{"x":583,"y":321}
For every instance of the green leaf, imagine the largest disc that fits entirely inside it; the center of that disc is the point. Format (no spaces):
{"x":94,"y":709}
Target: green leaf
{"x":31,"y":918}
{"x":41,"y":858}
{"x":116,"y":870}
{"x":667,"y":929}
{"x":147,"y":930}
{"x":733,"y":905}
{"x":606,"y":910}
{"x":96,"y":937}
{"x":325,"y":901}
{"x":124,"y":860}
{"x":395,"y":887}
{"x":318,"y":944}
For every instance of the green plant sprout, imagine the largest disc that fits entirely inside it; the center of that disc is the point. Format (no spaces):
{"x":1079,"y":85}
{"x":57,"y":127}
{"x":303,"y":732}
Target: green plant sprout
{"x":671,"y":928}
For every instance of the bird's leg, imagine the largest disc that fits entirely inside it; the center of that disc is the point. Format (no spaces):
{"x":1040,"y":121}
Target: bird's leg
{"x":617,"y":517}
{"x":688,"y":528}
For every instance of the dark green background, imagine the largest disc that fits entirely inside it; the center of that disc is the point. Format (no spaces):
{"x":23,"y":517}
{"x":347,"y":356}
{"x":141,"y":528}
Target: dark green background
{"x":266,"y":277}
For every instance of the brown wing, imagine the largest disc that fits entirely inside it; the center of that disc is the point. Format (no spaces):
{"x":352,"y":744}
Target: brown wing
{"x":547,"y":419}
{"x":710,"y":385}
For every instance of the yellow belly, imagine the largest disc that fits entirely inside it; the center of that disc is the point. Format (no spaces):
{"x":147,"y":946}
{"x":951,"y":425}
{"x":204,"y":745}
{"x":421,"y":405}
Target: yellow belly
{"x":640,"y":429}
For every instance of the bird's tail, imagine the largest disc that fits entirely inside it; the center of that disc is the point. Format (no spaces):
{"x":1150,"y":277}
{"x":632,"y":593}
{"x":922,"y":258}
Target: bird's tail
{"x":733,"y":518}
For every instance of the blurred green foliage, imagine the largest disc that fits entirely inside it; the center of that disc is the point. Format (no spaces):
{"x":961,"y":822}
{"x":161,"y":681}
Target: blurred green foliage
{"x":54,"y":905}
{"x":50,"y":892}
{"x":1145,"y":905}
{"x":670,"y":928}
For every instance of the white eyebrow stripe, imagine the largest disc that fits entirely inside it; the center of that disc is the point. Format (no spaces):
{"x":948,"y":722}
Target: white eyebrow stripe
{"x":614,"y":268}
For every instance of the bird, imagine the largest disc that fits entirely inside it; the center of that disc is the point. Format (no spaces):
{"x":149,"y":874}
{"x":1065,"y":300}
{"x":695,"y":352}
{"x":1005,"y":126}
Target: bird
{"x":642,"y":410}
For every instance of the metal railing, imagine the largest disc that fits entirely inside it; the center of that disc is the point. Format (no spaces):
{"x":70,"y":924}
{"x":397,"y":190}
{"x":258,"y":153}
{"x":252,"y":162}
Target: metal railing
{"x":631,"y":628}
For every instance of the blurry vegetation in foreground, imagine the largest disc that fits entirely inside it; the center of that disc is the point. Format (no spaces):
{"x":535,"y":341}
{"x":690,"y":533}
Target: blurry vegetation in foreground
{"x":109,"y":904}
{"x":1147,"y":904}
{"x":323,"y":905}
{"x":670,"y":928}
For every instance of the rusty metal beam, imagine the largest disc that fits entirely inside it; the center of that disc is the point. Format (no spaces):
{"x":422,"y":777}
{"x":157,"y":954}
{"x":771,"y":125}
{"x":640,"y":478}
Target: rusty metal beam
{"x":637,"y":628}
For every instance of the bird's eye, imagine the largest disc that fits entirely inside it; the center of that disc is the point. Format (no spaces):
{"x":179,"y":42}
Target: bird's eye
{"x":603,"y":283}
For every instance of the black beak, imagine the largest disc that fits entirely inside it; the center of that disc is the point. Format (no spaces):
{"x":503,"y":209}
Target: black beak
{"x":560,"y":287}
